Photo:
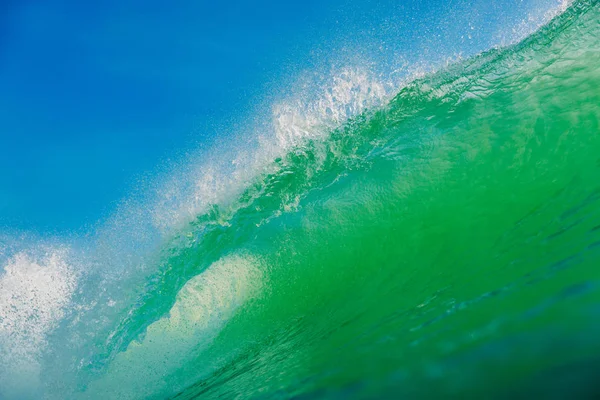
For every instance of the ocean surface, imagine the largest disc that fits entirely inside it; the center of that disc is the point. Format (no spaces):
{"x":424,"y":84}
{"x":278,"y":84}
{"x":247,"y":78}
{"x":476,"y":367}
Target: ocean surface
{"x":441,"y":241}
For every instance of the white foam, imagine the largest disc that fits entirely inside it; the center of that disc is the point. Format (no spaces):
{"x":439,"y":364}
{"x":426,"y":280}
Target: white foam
{"x":34,"y":292}
{"x":349,"y":92}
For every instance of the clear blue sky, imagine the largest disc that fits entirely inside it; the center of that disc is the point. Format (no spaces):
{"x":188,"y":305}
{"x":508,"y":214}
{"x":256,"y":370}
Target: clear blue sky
{"x":95,"y":94}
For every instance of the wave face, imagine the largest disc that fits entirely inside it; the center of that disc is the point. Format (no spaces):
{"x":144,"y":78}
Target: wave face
{"x":443,"y":241}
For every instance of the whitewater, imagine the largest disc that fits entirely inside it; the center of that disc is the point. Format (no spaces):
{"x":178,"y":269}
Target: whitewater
{"x":433,"y":235}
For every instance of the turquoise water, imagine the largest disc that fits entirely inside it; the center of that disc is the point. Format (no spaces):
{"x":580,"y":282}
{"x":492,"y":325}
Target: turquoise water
{"x":445,"y":243}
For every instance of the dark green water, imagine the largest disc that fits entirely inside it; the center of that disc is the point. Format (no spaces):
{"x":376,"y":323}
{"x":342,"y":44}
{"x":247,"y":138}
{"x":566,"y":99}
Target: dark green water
{"x":445,"y":245}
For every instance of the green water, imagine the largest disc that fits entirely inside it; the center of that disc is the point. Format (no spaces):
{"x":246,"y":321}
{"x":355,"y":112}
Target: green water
{"x":445,"y":245}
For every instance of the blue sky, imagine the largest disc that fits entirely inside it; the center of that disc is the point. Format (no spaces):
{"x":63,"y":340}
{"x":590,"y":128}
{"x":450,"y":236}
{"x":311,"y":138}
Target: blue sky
{"x":94,"y":95}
